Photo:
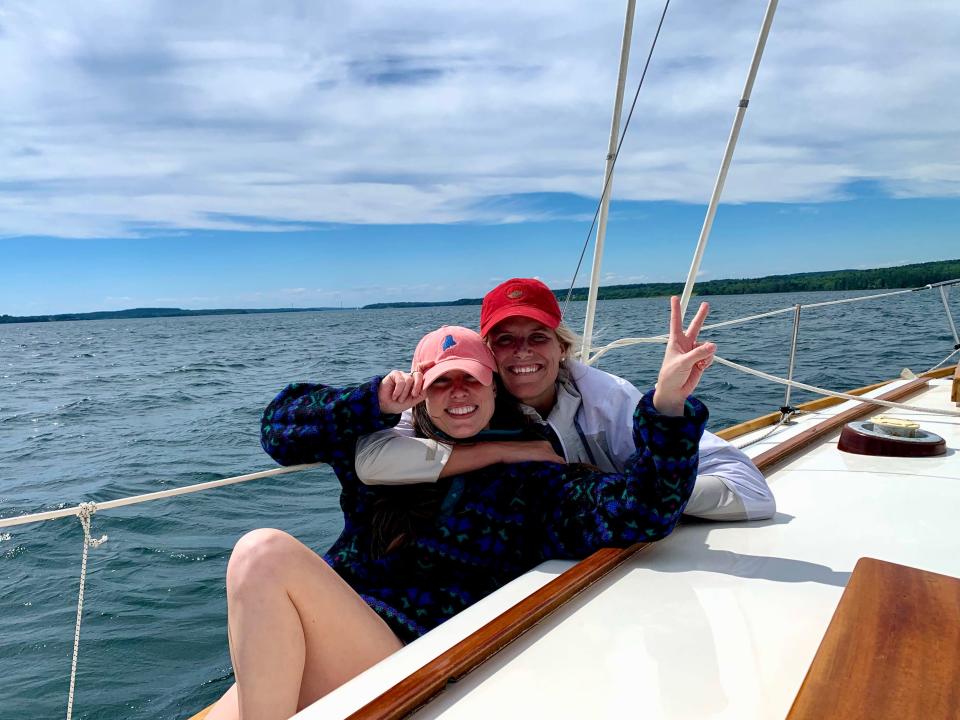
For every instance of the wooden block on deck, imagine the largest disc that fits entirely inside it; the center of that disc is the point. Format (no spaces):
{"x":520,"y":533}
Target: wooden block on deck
{"x":892,"y":649}
{"x":955,"y":391}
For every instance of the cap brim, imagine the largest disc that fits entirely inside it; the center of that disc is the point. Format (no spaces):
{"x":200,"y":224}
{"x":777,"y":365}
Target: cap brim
{"x":473,"y":368}
{"x":542,"y":317}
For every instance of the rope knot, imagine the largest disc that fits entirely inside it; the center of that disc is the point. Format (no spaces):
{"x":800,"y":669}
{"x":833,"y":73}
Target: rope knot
{"x":87,"y":509}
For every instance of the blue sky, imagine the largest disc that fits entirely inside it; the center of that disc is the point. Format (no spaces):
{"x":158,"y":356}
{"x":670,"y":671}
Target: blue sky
{"x":289,"y":154}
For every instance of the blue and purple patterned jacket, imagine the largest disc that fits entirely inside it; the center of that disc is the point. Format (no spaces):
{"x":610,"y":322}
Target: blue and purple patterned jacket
{"x":491,"y":525}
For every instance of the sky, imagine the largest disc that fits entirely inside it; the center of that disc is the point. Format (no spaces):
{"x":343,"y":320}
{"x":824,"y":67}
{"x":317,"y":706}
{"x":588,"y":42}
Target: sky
{"x":308,"y":154}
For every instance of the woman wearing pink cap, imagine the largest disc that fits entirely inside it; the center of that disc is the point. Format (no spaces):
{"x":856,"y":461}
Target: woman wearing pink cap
{"x":410,"y":557}
{"x":589,"y":411}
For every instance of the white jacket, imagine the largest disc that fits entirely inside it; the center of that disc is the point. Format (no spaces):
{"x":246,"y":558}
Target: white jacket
{"x":593,"y":417}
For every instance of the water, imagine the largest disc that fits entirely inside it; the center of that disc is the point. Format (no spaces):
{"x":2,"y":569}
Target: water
{"x":104,"y":409}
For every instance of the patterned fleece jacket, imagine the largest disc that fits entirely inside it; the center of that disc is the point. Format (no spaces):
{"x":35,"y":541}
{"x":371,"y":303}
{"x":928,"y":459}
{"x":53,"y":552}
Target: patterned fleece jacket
{"x":488,"y":526}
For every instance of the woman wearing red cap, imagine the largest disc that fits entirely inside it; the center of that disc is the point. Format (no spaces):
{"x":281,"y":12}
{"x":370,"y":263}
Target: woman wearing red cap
{"x":589,"y":411}
{"x":411,"y":557}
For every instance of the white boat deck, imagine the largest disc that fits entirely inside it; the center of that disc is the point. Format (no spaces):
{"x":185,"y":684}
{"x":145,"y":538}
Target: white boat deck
{"x":718,"y":620}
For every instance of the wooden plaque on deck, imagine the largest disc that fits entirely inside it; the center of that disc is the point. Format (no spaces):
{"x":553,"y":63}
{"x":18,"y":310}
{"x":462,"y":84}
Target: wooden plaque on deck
{"x":892,"y":649}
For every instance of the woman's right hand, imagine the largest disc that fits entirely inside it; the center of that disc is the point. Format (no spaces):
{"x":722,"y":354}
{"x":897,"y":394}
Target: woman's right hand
{"x":400,"y":391}
{"x":684,"y":361}
{"x":528,"y":451}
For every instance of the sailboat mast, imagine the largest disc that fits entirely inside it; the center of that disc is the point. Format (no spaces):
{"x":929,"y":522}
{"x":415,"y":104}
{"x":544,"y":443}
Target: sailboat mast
{"x":607,"y":183}
{"x":727,"y":157}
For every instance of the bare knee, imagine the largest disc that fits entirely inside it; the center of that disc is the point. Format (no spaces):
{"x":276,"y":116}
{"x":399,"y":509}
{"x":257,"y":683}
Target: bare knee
{"x":260,"y":558}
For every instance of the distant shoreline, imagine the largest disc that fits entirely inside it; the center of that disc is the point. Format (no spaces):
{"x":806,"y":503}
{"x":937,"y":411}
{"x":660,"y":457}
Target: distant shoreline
{"x":153,"y":313}
{"x":902,"y":276}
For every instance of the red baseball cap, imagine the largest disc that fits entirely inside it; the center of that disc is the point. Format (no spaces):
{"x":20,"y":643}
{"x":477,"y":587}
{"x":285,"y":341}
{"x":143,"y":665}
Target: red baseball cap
{"x":453,"y":348}
{"x":520,"y":297}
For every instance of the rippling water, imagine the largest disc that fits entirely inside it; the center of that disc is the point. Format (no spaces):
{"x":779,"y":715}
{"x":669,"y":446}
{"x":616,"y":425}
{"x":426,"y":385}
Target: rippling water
{"x":104,"y":409}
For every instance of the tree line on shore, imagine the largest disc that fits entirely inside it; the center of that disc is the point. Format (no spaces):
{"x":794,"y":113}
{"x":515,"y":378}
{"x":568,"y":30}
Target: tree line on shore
{"x":903,"y":276}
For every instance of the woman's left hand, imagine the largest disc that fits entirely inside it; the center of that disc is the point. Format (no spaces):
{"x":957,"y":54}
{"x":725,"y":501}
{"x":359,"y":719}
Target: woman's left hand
{"x":684,"y":361}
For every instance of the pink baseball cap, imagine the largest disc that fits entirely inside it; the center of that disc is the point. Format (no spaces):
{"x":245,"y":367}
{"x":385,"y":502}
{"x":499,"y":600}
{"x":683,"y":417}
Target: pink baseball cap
{"x":453,"y":348}
{"x":520,"y":297}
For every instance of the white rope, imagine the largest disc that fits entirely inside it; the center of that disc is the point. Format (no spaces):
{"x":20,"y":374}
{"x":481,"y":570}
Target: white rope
{"x":944,"y":361}
{"x":784,"y":417}
{"x":85,"y":512}
{"x":740,"y":321}
{"x":627,"y":342}
{"x":136,"y":499}
{"x":825,"y":303}
{"x":622,"y":343}
{"x":831,"y":393}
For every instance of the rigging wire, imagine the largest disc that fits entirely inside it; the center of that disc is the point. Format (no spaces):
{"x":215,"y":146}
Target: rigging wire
{"x":627,"y":342}
{"x":727,"y":157}
{"x":616,"y":154}
{"x":830,"y":393}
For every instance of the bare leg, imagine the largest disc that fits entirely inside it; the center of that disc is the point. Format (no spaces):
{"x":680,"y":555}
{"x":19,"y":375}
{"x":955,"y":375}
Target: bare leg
{"x":297,"y":630}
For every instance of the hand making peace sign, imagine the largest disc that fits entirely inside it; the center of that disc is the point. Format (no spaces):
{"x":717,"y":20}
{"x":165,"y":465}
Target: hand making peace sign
{"x":684,"y":361}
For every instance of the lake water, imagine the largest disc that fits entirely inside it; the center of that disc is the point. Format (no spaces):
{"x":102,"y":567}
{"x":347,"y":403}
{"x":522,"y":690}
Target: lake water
{"x":104,"y":409}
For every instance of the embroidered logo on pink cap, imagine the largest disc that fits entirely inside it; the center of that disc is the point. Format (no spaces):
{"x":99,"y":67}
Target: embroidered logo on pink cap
{"x":453,"y":348}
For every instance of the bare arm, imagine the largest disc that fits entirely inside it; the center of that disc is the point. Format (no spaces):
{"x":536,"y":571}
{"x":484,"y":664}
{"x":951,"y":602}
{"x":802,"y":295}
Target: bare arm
{"x":396,"y":456}
{"x":465,"y":458}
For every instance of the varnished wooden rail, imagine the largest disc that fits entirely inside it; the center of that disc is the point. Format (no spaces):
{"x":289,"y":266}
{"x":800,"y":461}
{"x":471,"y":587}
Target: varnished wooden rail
{"x":748,"y":426}
{"x":418,"y":687}
{"x":771,"y":457}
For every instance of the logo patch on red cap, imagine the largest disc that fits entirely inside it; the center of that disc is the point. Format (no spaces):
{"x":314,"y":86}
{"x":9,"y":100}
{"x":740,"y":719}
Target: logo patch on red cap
{"x":515,"y":294}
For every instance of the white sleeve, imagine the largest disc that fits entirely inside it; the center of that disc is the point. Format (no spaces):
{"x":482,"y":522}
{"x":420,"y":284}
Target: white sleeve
{"x":396,"y":457}
{"x":729,"y":486}
{"x":607,"y":403}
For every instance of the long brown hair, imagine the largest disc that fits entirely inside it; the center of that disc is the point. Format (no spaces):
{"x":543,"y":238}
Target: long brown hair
{"x":399,"y":511}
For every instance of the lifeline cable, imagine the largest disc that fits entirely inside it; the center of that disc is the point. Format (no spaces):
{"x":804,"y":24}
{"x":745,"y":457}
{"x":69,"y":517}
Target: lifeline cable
{"x":606,"y":181}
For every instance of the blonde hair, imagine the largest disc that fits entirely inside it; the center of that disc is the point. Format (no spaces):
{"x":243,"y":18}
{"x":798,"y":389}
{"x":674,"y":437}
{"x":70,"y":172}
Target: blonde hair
{"x":569,"y":341}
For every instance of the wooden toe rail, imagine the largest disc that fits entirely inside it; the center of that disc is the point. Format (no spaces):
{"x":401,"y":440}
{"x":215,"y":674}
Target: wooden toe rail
{"x":767,"y":459}
{"x":735,"y":431}
{"x":418,"y":687}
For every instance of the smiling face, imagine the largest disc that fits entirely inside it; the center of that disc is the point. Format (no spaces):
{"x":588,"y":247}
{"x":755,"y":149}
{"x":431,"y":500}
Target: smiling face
{"x":459,"y":404}
{"x":528,"y":357}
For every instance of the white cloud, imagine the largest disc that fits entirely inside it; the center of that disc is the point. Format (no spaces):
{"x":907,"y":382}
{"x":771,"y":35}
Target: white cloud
{"x":124,"y":118}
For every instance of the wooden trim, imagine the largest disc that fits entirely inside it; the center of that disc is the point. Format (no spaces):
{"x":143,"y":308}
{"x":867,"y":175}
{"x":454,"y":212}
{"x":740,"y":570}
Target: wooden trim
{"x":749,"y":426}
{"x":421,"y":685}
{"x":766,"y":460}
{"x":891,"y":651}
{"x":955,"y":389}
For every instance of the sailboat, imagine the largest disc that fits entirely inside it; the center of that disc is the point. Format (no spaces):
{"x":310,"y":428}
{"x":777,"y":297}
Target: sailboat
{"x":740,"y":621}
